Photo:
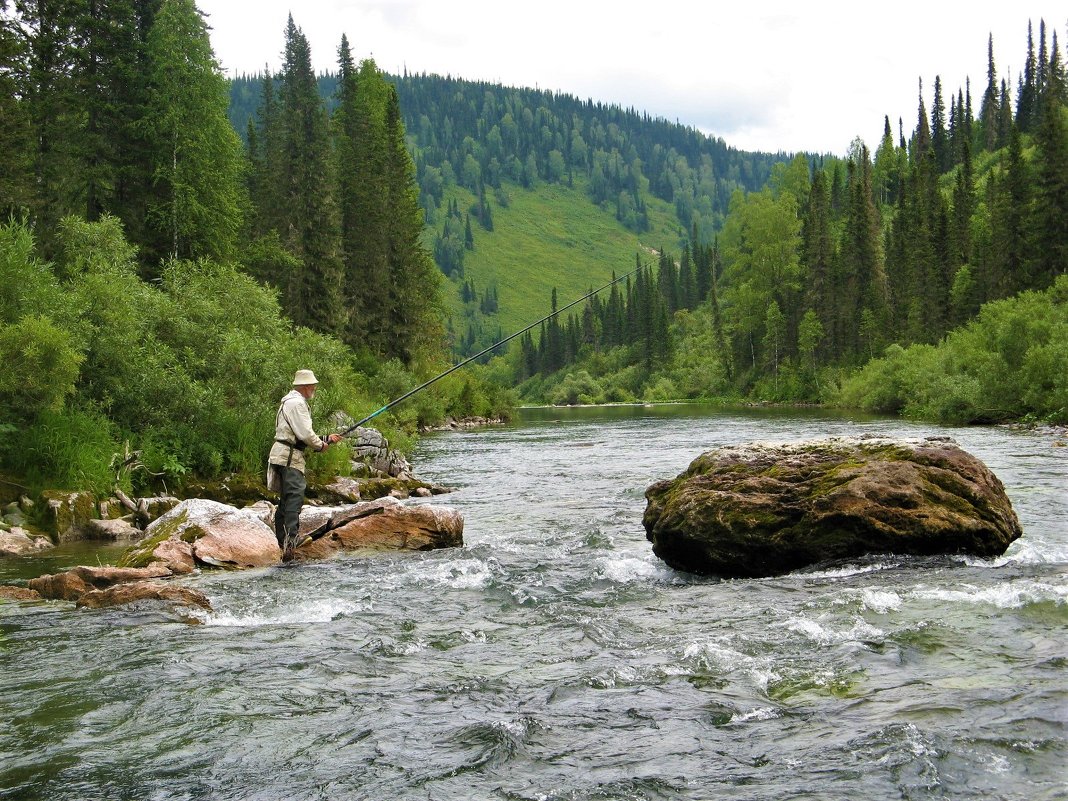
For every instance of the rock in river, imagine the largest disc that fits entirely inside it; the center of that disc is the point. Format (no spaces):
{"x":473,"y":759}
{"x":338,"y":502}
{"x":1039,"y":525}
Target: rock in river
{"x":142,"y":591}
{"x":200,"y":531}
{"x":384,"y":523}
{"x":764,"y":509}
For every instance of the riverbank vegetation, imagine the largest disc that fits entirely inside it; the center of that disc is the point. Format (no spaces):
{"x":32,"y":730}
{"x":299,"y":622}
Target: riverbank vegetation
{"x":938,"y":261}
{"x":160,"y":281}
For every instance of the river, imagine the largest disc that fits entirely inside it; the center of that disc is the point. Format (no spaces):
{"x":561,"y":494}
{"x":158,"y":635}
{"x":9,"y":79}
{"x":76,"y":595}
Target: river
{"x":554,"y":658}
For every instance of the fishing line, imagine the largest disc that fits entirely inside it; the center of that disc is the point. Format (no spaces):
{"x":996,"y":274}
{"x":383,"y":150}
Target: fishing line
{"x":483,"y":352}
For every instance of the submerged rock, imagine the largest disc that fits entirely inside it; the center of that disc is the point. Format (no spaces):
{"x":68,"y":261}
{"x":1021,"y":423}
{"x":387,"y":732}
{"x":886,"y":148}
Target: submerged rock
{"x":124,"y":594}
{"x":766,"y":509}
{"x":9,"y":592}
{"x":76,"y":582}
{"x":19,"y":542}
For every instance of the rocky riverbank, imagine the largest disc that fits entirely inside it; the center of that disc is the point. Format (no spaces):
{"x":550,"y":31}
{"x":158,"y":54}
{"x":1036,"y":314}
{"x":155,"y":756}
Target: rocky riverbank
{"x":226,"y":524}
{"x":202,"y":534}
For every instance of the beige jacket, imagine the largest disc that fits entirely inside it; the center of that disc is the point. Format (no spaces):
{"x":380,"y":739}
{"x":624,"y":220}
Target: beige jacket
{"x":293,"y":423}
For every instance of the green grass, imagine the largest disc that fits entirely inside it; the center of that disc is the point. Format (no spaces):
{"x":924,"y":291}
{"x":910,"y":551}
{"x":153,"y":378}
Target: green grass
{"x":552,"y":236}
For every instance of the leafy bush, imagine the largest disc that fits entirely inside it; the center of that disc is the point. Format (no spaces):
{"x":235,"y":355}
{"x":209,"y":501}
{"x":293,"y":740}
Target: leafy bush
{"x":1009,"y":362}
{"x":577,"y":388}
{"x":27,"y":286}
{"x":662,"y":389}
{"x":40,"y":367}
{"x":188,"y":370}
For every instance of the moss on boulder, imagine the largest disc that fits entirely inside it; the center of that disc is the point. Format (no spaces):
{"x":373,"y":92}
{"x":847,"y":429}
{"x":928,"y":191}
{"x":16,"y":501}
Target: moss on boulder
{"x":766,"y":509}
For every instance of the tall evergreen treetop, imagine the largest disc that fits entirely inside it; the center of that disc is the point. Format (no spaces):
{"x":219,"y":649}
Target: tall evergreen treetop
{"x":197,"y":165}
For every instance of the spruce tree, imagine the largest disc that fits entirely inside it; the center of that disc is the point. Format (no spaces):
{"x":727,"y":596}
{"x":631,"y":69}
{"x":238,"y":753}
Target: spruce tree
{"x":989,"y":116}
{"x":415,"y":322}
{"x":1051,"y":191}
{"x":864,"y":281}
{"x":702,"y":266}
{"x":1057,"y":81}
{"x":1011,"y":224}
{"x":1027,"y":99}
{"x":963,"y":208}
{"x":265,"y":163}
{"x":311,"y":231}
{"x":197,"y":164}
{"x":687,"y":280}
{"x":52,"y":107}
{"x":817,"y":256}
{"x":921,"y":139}
{"x":15,"y":131}
{"x":362,"y":153}
{"x":939,"y":134}
{"x":1005,"y":121}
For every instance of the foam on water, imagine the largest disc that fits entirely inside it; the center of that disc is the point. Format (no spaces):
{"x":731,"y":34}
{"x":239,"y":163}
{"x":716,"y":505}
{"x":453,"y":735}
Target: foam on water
{"x":825,"y":634}
{"x":723,"y":659}
{"x":457,"y":574}
{"x":321,"y":611}
{"x":847,"y":571}
{"x":1010,"y":595}
{"x":627,"y":569}
{"x":880,"y":601}
{"x":1025,"y":551}
{"x":756,"y":714}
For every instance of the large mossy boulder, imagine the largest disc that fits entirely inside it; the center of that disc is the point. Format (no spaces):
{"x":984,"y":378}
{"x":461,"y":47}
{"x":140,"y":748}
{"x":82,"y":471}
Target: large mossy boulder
{"x":766,"y":509}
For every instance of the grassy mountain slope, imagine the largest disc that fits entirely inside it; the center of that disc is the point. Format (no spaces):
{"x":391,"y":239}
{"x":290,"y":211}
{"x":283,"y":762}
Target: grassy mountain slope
{"x":551,"y":236}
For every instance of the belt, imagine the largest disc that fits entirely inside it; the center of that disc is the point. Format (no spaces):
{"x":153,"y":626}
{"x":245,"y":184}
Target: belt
{"x":294,"y":445}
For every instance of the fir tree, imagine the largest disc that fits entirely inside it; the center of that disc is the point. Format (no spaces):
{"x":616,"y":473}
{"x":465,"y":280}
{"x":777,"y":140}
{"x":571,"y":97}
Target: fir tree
{"x":307,"y":185}
{"x":963,"y":209}
{"x":198,"y":204}
{"x":921,"y":139}
{"x":52,"y":107}
{"x":939,"y":134}
{"x":817,"y":254}
{"x":15,"y":132}
{"x":687,"y":281}
{"x":361,"y":148}
{"x":1027,"y":99}
{"x":415,"y":323}
{"x":1051,"y":191}
{"x":989,"y":115}
{"x":1010,"y":221}
{"x":863,"y":281}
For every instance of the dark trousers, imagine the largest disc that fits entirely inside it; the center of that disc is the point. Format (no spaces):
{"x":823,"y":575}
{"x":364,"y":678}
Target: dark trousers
{"x":287,"y":516}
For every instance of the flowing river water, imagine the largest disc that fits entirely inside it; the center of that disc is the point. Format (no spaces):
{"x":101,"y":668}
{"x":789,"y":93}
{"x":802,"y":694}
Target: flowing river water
{"x":553,"y":657}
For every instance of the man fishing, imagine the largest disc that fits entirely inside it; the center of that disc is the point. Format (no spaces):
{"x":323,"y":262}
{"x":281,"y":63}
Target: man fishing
{"x":285,"y":469}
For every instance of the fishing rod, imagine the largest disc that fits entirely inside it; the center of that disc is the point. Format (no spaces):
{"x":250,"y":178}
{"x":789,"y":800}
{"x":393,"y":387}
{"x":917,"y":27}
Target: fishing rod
{"x":470,"y":359}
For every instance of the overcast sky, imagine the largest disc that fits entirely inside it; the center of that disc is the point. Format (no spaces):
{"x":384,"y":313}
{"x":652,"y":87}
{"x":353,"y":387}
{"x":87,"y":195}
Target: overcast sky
{"x":762,"y":74}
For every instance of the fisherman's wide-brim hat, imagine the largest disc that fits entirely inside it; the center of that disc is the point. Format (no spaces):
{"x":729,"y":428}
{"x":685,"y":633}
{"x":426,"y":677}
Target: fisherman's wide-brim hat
{"x":304,"y":377}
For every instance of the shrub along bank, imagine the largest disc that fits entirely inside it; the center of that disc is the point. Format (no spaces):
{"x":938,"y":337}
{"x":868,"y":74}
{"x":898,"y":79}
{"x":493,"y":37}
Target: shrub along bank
{"x":1009,"y":363}
{"x":188,"y":370}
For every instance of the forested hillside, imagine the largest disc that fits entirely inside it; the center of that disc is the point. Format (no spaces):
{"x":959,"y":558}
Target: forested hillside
{"x":479,"y":135}
{"x":836,"y":260}
{"x":479,"y":148}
